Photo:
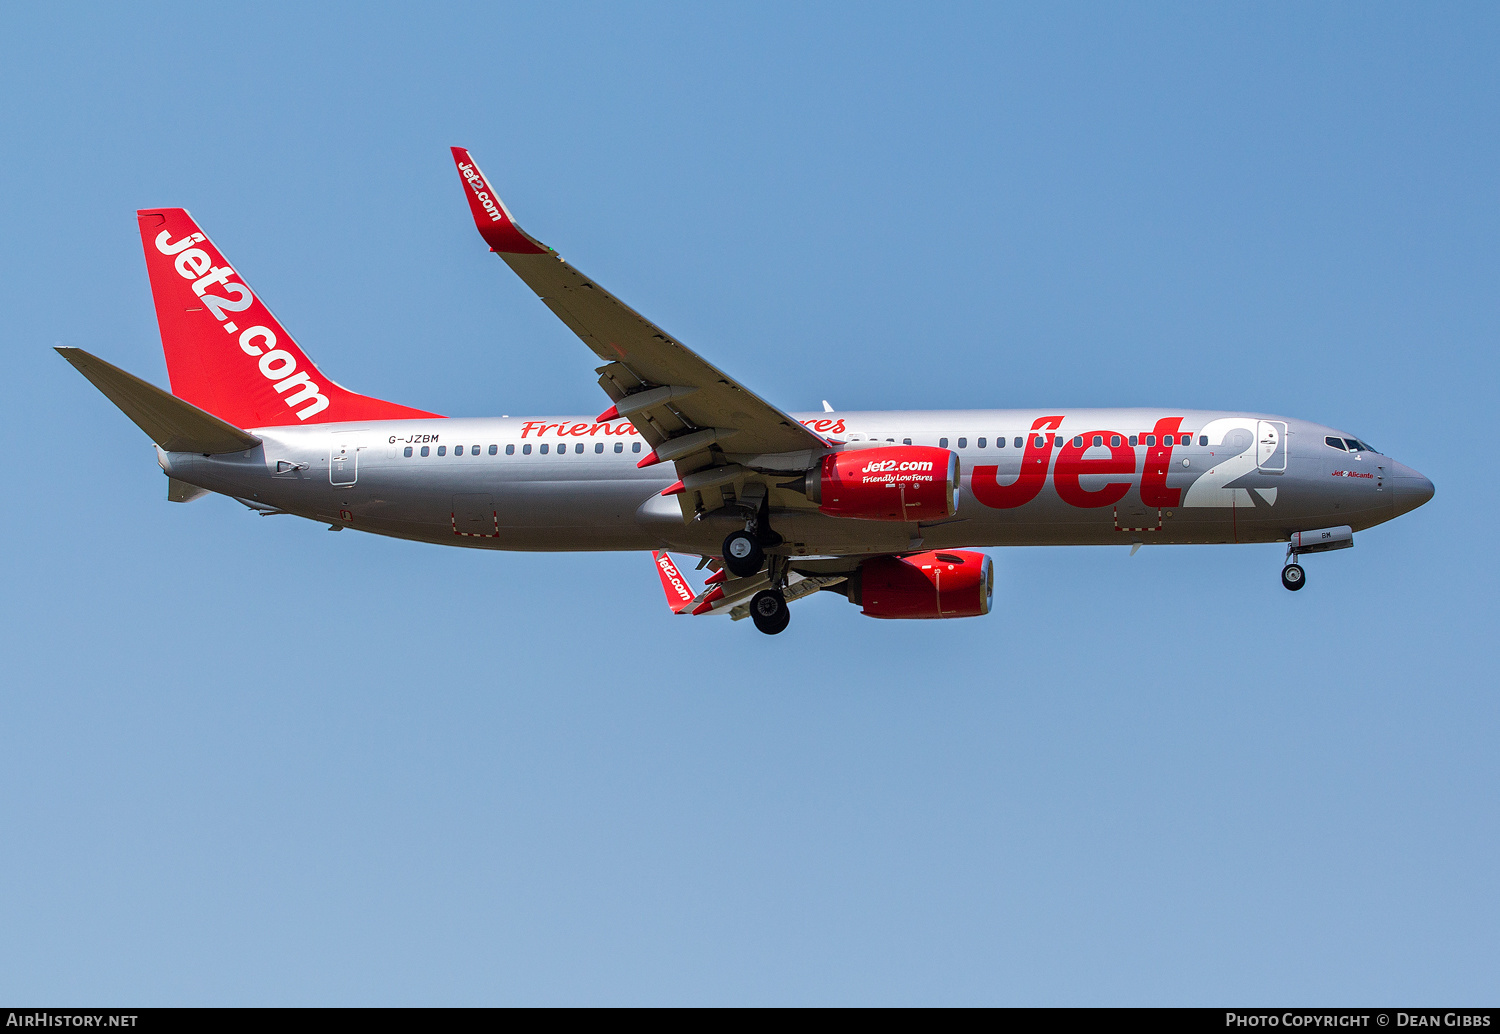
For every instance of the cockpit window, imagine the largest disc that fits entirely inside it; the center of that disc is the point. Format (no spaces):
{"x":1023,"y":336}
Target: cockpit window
{"x":1354,"y":445}
{"x":1334,"y":443}
{"x":1368,"y":447}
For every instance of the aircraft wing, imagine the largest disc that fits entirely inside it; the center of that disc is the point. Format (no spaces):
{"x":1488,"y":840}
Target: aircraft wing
{"x":687,"y":409}
{"x":724,"y":594}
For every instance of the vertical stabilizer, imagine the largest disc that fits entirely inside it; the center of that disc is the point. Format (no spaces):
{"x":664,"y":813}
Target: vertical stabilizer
{"x":225,"y":352}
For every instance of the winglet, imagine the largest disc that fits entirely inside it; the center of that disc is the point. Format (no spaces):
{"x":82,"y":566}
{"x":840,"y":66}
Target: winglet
{"x":493,"y":219}
{"x":679,"y":595}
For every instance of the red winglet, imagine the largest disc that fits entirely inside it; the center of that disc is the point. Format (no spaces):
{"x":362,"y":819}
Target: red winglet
{"x":716,"y":594}
{"x":648,"y":459}
{"x":493,"y":219}
{"x":679,"y":595}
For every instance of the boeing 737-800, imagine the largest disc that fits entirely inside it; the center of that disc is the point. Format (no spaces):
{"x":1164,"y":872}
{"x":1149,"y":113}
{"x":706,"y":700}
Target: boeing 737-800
{"x":885,"y":508}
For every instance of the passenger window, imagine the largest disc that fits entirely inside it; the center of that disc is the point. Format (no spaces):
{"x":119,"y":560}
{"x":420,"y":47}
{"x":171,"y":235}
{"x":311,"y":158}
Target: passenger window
{"x":963,"y":443}
{"x":906,"y":441}
{"x":1353,"y":445}
{"x":424,"y":450}
{"x":1114,"y":441}
{"x":526,"y":450}
{"x":619,"y":446}
{"x":1098,"y":440}
{"x":981,"y":443}
{"x":1167,"y":440}
{"x":1019,"y":442}
{"x":1078,"y":442}
{"x":598,"y":447}
{"x":442,"y":450}
{"x":494,"y":450}
{"x":1134,"y":441}
{"x":635,"y":446}
{"x":942,"y":443}
{"x":544,"y":448}
{"x":1057,"y":440}
{"x":510,"y":450}
{"x":578,"y":447}
{"x":1334,"y":443}
{"x":1203,"y":439}
{"x":1040,"y":443}
{"x":406,"y":451}
{"x":1151,"y":440}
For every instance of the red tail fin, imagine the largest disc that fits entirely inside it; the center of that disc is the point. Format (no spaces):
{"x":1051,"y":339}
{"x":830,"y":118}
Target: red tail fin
{"x":226,"y":353}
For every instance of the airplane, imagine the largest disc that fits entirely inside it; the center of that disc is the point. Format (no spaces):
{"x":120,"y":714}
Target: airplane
{"x":887,"y":509}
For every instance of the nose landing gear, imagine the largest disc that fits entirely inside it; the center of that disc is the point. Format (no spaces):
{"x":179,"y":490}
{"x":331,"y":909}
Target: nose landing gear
{"x":1293,"y":577}
{"x":1322,"y":540}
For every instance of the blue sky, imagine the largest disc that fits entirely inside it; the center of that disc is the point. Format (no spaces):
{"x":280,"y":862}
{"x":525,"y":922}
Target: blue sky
{"x":249,"y":762}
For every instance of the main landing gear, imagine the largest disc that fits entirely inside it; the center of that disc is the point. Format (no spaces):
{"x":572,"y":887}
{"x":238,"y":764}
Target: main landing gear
{"x":745,"y":557}
{"x":769,"y":611}
{"x":1293,"y":577}
{"x":743,"y":554}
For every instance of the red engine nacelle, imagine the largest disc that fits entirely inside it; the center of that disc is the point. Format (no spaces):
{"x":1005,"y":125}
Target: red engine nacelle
{"x":937,"y":584}
{"x":892,"y":483}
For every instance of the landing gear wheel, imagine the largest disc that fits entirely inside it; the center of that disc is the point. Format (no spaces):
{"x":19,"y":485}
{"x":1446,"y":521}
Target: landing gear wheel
{"x":1293,"y":577}
{"x":742,"y":554}
{"x":769,"y":611}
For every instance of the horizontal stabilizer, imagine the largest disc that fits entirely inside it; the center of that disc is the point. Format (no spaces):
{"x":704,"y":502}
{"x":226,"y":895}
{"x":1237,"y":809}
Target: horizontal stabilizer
{"x":175,"y":425}
{"x":182,"y":492}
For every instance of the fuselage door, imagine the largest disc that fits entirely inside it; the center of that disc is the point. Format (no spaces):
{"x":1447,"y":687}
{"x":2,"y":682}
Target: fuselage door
{"x":343,"y":459}
{"x":1270,"y":446}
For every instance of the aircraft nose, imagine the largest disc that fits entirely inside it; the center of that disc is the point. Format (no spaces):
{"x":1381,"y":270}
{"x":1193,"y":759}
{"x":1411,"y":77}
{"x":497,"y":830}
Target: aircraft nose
{"x":1409,"y":489}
